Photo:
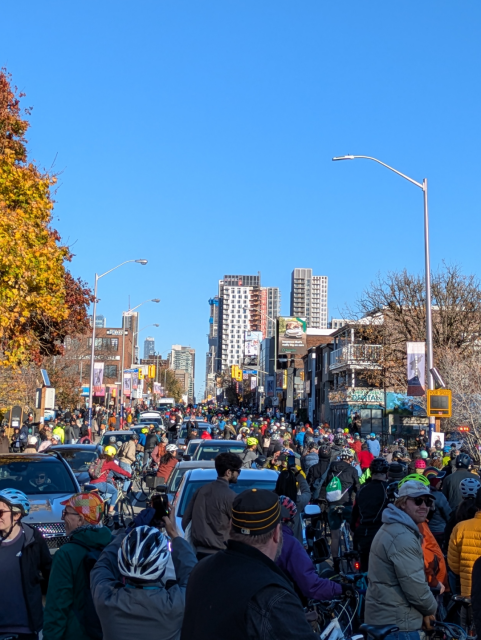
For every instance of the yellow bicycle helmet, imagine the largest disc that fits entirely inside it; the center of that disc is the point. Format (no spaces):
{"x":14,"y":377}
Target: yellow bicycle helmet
{"x":251,"y":441}
{"x":145,"y":430}
{"x":110,"y":451}
{"x":415,"y":476}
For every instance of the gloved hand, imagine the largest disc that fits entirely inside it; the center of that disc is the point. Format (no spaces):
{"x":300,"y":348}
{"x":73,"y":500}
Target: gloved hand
{"x":142,"y":518}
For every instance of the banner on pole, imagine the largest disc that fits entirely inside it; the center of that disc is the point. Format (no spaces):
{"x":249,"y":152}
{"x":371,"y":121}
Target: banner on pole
{"x":98,"y":377}
{"x":416,"y":365}
{"x":127,"y":384}
{"x":253,"y":382}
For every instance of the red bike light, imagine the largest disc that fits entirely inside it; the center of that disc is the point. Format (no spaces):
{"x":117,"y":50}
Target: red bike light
{"x":357,"y":566}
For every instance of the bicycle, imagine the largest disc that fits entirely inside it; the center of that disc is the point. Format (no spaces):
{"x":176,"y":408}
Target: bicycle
{"x":333,"y":620}
{"x":123,"y":504}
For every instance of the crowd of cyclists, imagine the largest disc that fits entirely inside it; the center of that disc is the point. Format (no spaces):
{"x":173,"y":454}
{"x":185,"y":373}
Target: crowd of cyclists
{"x":242,"y":566}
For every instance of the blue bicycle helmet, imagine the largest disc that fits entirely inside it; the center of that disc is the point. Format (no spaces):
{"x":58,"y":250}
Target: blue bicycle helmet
{"x":15,"y":498}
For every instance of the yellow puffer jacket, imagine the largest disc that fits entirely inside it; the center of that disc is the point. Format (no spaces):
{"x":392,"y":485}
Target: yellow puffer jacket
{"x":464,"y":549}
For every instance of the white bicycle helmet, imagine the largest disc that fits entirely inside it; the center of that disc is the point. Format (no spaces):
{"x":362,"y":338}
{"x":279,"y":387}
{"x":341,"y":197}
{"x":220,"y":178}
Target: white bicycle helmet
{"x":144,"y":554}
{"x":469,"y":487}
{"x":171,"y":447}
{"x":346,"y":454}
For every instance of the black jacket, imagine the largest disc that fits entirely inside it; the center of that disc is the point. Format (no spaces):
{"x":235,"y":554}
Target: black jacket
{"x":151,"y":441}
{"x":349,"y":478}
{"x":317,"y":471}
{"x":260,"y":602}
{"x":35,"y":560}
{"x":366,"y":519}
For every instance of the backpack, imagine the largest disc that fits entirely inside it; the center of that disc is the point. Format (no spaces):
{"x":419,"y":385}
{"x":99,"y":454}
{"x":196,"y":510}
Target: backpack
{"x":95,"y":469}
{"x":87,"y":616}
{"x":319,"y":482}
{"x":334,"y":490}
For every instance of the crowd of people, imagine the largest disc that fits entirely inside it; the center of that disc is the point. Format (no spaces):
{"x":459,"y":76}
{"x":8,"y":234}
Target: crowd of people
{"x":239,"y":568}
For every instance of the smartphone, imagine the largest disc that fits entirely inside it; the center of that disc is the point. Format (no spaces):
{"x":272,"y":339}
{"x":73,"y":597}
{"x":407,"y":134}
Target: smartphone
{"x":291,"y":461}
{"x":159,"y":502}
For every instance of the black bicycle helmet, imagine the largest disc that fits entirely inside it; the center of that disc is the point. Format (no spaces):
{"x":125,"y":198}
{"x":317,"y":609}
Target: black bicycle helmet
{"x":339,"y":441}
{"x":379,"y":465}
{"x":463,"y":461}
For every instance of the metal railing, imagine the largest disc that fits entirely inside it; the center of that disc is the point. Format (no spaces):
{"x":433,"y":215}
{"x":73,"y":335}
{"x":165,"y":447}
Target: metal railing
{"x":360,"y":355}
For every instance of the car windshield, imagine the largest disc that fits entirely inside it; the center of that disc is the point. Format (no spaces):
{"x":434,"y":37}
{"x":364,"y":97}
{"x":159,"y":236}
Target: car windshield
{"x":78,"y":459}
{"x":174,"y":479}
{"x":238,"y":487}
{"x":119,"y":437}
{"x":210,"y":451}
{"x":191,"y":447}
{"x":183,"y":431}
{"x":34,"y":477}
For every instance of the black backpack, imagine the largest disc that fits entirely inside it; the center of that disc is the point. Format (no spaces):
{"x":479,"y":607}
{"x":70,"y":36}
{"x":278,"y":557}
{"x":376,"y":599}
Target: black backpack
{"x":87,"y":616}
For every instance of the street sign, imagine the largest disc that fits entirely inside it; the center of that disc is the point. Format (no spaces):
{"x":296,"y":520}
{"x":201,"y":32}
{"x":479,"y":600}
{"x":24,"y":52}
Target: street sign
{"x":439,"y":403}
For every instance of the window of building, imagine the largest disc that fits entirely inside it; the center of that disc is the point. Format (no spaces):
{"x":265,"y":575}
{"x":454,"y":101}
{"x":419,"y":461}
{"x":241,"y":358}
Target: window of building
{"x":110,"y":370}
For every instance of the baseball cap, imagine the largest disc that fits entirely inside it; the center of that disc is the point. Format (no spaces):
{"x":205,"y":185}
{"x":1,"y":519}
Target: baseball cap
{"x":413,"y":489}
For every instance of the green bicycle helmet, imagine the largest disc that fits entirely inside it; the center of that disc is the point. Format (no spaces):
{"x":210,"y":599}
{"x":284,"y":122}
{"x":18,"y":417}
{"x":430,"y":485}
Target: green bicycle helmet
{"x":414,"y":476}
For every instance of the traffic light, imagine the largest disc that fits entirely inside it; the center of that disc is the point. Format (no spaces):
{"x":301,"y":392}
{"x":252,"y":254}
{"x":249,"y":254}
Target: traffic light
{"x":141,"y":374}
{"x":233,"y":371}
{"x":239,"y":375}
{"x":236,"y":373}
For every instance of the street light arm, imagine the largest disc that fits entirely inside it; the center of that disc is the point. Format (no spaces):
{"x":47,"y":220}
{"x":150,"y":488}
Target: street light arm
{"x":418,"y":184}
{"x":139,"y":305}
{"x":110,"y":270}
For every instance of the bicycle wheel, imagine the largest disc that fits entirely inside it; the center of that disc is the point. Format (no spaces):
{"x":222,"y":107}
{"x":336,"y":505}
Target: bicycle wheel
{"x":126,"y":510}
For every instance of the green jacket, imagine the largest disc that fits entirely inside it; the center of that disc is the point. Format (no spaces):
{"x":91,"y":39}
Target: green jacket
{"x":67,"y":586}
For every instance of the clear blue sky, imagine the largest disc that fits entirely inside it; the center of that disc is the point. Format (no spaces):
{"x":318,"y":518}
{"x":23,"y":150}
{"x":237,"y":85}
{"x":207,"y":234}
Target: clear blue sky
{"x":199,"y":135}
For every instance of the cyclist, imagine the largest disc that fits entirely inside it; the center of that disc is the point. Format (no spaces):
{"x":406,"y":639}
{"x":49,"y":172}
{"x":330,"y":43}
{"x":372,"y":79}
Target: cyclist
{"x":66,"y":601}
{"x":341,"y":509}
{"x":373,"y":445}
{"x":398,"y":593}
{"x":451,"y":488}
{"x":128,"y":452}
{"x":370,"y":503}
{"x":297,"y":565}
{"x":105,"y":470}
{"x":310,"y":456}
{"x":167,"y":462}
{"x":466,"y":508}
{"x":151,"y":441}
{"x":250,"y":453}
{"x":132,"y":596}
{"x":23,"y":556}
{"x":292,"y":484}
{"x":442,"y":511}
{"x":317,"y":474}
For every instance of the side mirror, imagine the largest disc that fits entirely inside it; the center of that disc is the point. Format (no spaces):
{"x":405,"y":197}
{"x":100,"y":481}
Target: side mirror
{"x":312,"y":510}
{"x":187,"y":458}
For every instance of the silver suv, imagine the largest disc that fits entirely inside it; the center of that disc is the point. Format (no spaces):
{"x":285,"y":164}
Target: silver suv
{"x":47,"y":480}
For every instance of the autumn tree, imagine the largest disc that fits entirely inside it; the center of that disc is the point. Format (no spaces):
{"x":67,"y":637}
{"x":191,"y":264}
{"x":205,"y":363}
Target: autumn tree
{"x":392,"y":311}
{"x":40,"y":302}
{"x":172,"y":386}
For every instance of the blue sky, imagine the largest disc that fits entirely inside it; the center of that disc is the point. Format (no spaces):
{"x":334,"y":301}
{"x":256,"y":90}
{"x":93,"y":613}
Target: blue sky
{"x":199,"y":135}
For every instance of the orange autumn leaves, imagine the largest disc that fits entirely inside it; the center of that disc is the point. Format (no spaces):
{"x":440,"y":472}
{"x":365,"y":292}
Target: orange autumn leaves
{"x":36,"y":291}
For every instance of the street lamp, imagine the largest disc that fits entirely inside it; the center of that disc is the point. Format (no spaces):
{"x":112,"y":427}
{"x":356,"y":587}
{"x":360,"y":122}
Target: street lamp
{"x":130,"y":311}
{"x":429,"y":321}
{"x":141,"y":261}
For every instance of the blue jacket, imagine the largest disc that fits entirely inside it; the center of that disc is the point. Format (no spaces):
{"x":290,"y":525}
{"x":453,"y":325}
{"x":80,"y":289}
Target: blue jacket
{"x":300,"y":437}
{"x":374,"y":447}
{"x":295,"y":562}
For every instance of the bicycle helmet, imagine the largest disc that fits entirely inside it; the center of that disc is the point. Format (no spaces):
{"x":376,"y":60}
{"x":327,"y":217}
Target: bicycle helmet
{"x":346,"y":453}
{"x":16,"y":499}
{"x":288,"y":509}
{"x":110,"y":451}
{"x":325,"y":450}
{"x":463,"y":461}
{"x":414,"y":476}
{"x":379,"y":465}
{"x":145,"y":430}
{"x":424,"y":454}
{"x":420,"y":464}
{"x":275,"y":437}
{"x":144,"y":554}
{"x":468,"y":486}
{"x":171,"y":447}
{"x":251,"y":442}
{"x":339,"y":440}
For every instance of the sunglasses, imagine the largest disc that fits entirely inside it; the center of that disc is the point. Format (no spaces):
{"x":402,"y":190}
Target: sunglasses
{"x":41,"y":476}
{"x":69,"y":513}
{"x":3,"y":512}
{"x":423,"y":500}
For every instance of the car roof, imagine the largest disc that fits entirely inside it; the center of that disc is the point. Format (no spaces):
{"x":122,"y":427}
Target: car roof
{"x":196,"y":440}
{"x":80,"y":447}
{"x":116,"y":433}
{"x":245,"y":474}
{"x":6,"y":458}
{"x":227,"y":443}
{"x":196,"y":464}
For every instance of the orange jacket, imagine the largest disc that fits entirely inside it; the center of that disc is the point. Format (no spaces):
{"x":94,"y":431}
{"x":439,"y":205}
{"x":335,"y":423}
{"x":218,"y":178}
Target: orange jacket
{"x":434,"y":563}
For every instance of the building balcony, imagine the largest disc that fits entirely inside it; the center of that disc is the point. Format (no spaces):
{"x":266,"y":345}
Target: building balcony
{"x":356,"y":356}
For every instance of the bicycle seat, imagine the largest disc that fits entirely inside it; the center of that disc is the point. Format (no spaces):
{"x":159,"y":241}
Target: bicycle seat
{"x":378,"y":631}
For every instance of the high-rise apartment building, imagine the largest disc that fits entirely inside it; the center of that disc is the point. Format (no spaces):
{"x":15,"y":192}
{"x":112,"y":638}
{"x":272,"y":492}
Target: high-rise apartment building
{"x":183,"y":359}
{"x":240,"y":307}
{"x":212,"y":354}
{"x":309,"y":297}
{"x":130,"y":320}
{"x":149,"y":347}
{"x":273,"y":310}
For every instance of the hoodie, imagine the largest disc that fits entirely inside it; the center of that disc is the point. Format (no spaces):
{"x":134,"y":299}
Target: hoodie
{"x":398,"y":593}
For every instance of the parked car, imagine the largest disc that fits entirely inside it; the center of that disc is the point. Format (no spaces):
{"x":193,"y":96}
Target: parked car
{"x":179,"y":471}
{"x":191,"y":447}
{"x":47,"y":480}
{"x":195,"y":478}
{"x":209,"y":449}
{"x":79,"y":458}
{"x":182,"y":433}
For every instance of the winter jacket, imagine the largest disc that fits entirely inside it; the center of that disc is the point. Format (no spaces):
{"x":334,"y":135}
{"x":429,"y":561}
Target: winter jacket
{"x":302,"y":500}
{"x":365,"y":458}
{"x":128,"y":452}
{"x":309,"y":460}
{"x":374,"y":447}
{"x":398,"y":593}
{"x":464,"y":549}
{"x":35,"y":559}
{"x":442,"y":512}
{"x":317,"y":471}
{"x":248,"y":458}
{"x":153,"y":613}
{"x":66,"y":589}
{"x":297,"y":565}
{"x":434,"y":563}
{"x":451,"y":486}
{"x":166,"y":469}
{"x":210,"y":511}
{"x":349,"y":478}
{"x":476,"y":595}
{"x":109,"y":468}
{"x":356,"y":446}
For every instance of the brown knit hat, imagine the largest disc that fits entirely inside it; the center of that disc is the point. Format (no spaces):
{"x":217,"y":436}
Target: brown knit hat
{"x":256,"y":512}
